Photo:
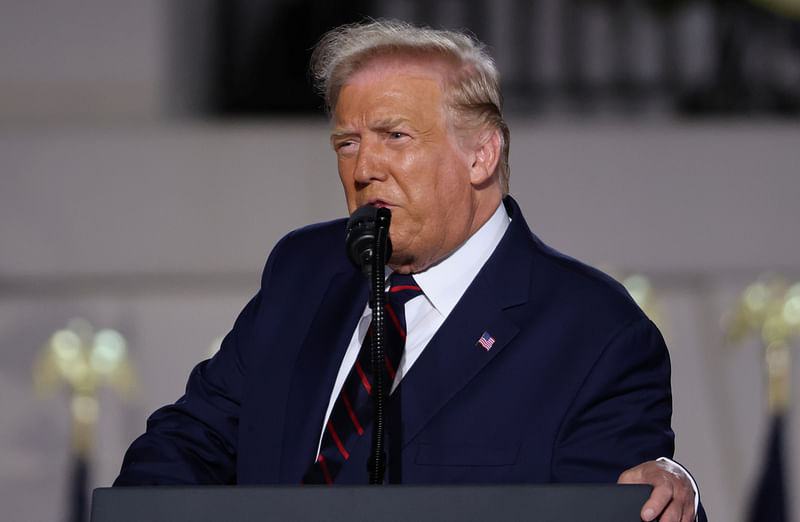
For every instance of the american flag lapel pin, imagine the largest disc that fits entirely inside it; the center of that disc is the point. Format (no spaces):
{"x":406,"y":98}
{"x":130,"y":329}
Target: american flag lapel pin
{"x":486,"y":341}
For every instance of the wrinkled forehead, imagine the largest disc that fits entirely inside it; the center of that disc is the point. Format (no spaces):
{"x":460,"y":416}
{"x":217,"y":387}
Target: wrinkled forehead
{"x":388,"y":97}
{"x":404,"y":62}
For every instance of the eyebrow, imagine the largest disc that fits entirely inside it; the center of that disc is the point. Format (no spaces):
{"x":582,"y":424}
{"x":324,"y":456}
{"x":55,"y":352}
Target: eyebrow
{"x":383,"y":124}
{"x":387,"y":123}
{"x":339,"y":135}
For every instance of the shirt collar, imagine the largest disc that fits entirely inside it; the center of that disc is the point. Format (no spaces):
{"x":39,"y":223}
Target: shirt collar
{"x":445,"y":282}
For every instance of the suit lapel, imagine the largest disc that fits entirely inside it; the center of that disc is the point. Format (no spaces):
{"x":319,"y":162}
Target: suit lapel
{"x":454,"y":357}
{"x":315,"y":370}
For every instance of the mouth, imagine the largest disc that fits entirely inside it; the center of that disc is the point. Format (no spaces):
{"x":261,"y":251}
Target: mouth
{"x":378,"y":203}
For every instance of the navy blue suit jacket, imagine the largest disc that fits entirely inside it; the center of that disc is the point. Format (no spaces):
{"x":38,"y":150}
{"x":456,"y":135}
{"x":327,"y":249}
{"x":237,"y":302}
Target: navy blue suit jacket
{"x":575,"y":389}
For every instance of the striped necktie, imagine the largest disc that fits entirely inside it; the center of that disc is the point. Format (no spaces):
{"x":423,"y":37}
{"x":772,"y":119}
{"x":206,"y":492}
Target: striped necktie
{"x":352,"y":411}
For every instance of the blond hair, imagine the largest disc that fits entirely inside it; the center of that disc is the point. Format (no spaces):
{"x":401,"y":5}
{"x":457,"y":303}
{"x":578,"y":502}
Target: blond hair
{"x":473,"y":92}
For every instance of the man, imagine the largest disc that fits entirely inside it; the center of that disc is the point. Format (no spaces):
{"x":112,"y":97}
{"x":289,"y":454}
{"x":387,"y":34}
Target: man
{"x":520,"y":364}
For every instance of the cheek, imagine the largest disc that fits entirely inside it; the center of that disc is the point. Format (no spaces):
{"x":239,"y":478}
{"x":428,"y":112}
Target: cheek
{"x":447,"y":186}
{"x":349,"y":191}
{"x":345,"y":172}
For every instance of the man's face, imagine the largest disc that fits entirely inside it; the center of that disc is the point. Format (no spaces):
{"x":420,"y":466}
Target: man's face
{"x":396,"y":149}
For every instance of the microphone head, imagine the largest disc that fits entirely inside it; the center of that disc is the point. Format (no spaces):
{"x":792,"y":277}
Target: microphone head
{"x":360,"y":235}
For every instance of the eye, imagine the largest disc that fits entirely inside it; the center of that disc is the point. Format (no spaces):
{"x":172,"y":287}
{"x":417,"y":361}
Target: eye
{"x":396,"y":135}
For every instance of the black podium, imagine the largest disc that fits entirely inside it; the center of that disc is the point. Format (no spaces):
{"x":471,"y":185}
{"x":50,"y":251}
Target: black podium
{"x":540,"y":503}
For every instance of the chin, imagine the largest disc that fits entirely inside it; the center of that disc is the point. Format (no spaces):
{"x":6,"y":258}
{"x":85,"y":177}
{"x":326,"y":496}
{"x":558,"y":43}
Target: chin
{"x":401,"y":263}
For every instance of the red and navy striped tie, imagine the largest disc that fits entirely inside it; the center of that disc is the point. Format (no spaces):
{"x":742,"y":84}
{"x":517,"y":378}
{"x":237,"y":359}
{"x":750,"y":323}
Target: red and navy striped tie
{"x":352,"y":411}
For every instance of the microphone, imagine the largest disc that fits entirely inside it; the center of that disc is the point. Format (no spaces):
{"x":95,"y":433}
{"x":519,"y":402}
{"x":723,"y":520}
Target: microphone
{"x":369,"y":248}
{"x":361,"y":234}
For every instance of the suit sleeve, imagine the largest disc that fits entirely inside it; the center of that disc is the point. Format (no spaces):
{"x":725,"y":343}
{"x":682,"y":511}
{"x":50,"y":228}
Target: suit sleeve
{"x":194,"y":440}
{"x":620,"y":415}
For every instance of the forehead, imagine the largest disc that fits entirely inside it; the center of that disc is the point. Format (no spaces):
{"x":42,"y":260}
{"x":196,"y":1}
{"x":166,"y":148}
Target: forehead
{"x":390,"y":84}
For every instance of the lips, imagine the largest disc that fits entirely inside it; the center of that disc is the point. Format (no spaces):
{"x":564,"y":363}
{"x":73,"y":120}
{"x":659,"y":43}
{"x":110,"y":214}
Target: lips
{"x":379,"y":203}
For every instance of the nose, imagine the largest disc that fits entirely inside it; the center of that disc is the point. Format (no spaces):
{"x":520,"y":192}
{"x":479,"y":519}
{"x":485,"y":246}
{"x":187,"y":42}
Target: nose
{"x":370,"y":165}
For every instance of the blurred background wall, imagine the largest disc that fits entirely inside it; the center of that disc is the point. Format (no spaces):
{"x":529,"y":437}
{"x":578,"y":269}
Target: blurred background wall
{"x":152,"y":153}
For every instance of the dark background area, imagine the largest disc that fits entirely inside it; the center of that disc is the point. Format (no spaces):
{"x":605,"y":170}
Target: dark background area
{"x":572,"y":57}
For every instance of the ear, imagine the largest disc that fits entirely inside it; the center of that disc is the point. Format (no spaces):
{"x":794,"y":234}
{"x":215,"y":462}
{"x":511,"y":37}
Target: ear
{"x":486,"y":157}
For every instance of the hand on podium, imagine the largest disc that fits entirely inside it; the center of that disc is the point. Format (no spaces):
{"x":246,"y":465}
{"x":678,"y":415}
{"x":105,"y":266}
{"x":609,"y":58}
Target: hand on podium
{"x":674,"y":496}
